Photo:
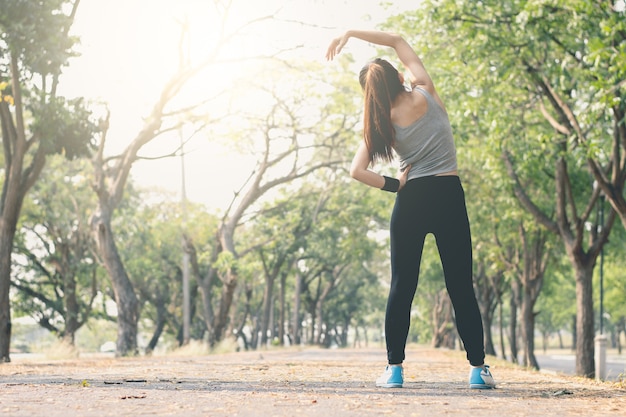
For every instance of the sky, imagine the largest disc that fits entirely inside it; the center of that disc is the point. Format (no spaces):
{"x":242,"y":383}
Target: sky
{"x":129,"y":48}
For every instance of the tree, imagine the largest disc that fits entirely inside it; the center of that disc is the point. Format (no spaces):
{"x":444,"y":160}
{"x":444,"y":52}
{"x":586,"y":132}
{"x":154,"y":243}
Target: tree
{"x":150,"y":246}
{"x":35,"y":121}
{"x":557,"y":110}
{"x":337,"y":263}
{"x":292,"y":140}
{"x":614,"y":288}
{"x":528,"y":261}
{"x":569,"y":225}
{"x":55,"y":270}
{"x":111,"y":173}
{"x":488,"y":286}
{"x":284,"y":227}
{"x":555,"y":310}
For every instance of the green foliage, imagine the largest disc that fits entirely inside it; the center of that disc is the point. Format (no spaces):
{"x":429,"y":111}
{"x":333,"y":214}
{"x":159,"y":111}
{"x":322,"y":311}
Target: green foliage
{"x":225,"y":262}
{"x":613,"y":279}
{"x":330,"y":234}
{"x":491,"y":62}
{"x":494,"y":64}
{"x":555,"y":308}
{"x":37,"y":32}
{"x":64,"y":127}
{"x":150,"y":243}
{"x":55,"y":259}
{"x":431,"y":282}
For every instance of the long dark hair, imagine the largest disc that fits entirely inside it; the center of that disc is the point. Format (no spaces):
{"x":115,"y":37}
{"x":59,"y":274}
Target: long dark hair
{"x":381,"y":85}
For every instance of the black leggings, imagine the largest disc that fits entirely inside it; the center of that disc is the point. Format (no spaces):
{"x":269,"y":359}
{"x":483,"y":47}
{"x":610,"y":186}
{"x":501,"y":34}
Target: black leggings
{"x":432,"y":205}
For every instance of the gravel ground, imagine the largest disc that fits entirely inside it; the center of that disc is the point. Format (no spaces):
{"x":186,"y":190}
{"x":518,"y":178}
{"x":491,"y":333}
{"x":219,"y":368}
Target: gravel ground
{"x":308,"y":382}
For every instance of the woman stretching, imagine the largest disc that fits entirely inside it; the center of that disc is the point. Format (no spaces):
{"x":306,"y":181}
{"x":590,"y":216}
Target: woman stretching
{"x":413,"y":124}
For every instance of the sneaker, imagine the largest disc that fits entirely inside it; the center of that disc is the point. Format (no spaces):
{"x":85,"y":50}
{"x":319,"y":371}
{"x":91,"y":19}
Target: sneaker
{"x":393,"y":377}
{"x":481,"y":378}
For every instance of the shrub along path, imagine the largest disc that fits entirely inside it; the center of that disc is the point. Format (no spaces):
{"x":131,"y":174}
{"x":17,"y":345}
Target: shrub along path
{"x":291,"y":382}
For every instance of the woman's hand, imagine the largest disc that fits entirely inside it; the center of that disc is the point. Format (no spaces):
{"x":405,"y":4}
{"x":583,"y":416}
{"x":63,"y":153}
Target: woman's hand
{"x":404,"y":174}
{"x":336,"y":46}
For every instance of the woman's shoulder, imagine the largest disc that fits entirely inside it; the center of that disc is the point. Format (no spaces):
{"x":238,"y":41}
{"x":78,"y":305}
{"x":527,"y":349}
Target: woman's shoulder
{"x":429,"y":94}
{"x":423,"y":90}
{"x":420,"y":97}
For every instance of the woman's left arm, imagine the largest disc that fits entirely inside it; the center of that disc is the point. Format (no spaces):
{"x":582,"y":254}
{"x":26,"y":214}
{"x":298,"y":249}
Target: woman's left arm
{"x":360,"y":172}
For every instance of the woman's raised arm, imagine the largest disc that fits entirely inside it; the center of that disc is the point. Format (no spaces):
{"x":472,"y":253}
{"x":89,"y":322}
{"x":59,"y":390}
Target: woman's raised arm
{"x":418,"y":74}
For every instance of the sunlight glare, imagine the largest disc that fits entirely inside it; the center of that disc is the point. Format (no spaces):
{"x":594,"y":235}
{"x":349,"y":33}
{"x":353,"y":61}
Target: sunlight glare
{"x":130,"y":49}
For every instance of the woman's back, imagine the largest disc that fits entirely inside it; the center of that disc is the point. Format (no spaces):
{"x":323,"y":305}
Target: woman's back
{"x":408,"y":108}
{"x":423,"y":136}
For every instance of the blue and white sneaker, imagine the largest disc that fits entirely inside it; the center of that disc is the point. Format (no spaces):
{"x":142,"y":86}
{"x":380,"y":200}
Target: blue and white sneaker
{"x":393,"y":377}
{"x":481,"y":378}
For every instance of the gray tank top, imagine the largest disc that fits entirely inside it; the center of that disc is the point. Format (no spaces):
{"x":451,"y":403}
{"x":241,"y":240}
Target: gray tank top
{"x":427,"y":144}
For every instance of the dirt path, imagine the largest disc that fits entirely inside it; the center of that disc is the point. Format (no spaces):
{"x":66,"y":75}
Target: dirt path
{"x":311,"y":382}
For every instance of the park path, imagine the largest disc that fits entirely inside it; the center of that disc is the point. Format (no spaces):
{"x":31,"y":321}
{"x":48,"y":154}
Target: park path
{"x":292,"y":382}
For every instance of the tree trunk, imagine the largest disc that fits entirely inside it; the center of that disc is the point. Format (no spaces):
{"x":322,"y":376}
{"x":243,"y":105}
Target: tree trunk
{"x":268,"y":297}
{"x":17,"y":181}
{"x":6,"y":246}
{"x":621,"y":328}
{"x":70,"y":299}
{"x":204,"y":285}
{"x":72,"y":323}
{"x":239,"y":331}
{"x":443,"y":322}
{"x":295,"y":319}
{"x":319,"y":314}
{"x":513,"y":322}
{"x":272,"y":321}
{"x":217,"y":322}
{"x":585,"y":365}
{"x":528,"y":330}
{"x":501,"y":328}
{"x":282,"y":301}
{"x":254,"y":340}
{"x":322,"y":328}
{"x":488,"y":290}
{"x":221,"y":319}
{"x":574,"y":333}
{"x":208,"y":312}
{"x":125,"y":298}
{"x":344,"y":332}
{"x":314,"y":325}
{"x":489,"y":347}
{"x":158,"y":330}
{"x":535,"y":257}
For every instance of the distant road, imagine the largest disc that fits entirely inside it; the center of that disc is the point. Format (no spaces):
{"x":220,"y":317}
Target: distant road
{"x":566,"y":363}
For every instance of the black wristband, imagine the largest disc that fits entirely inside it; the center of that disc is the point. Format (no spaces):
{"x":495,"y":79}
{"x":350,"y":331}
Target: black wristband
{"x":391,"y":184}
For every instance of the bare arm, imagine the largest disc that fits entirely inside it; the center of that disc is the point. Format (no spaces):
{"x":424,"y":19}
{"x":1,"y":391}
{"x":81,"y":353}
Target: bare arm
{"x":360,"y":172}
{"x":418,"y":74}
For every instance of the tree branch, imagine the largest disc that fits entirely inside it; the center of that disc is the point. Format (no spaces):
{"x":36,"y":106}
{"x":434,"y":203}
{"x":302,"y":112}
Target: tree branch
{"x":524,"y":199}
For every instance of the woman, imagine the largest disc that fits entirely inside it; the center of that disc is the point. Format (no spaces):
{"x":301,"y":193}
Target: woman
{"x":413,"y":124}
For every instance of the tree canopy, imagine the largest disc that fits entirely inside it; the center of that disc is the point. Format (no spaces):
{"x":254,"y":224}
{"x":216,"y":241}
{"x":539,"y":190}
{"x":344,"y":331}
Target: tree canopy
{"x":299,"y":255}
